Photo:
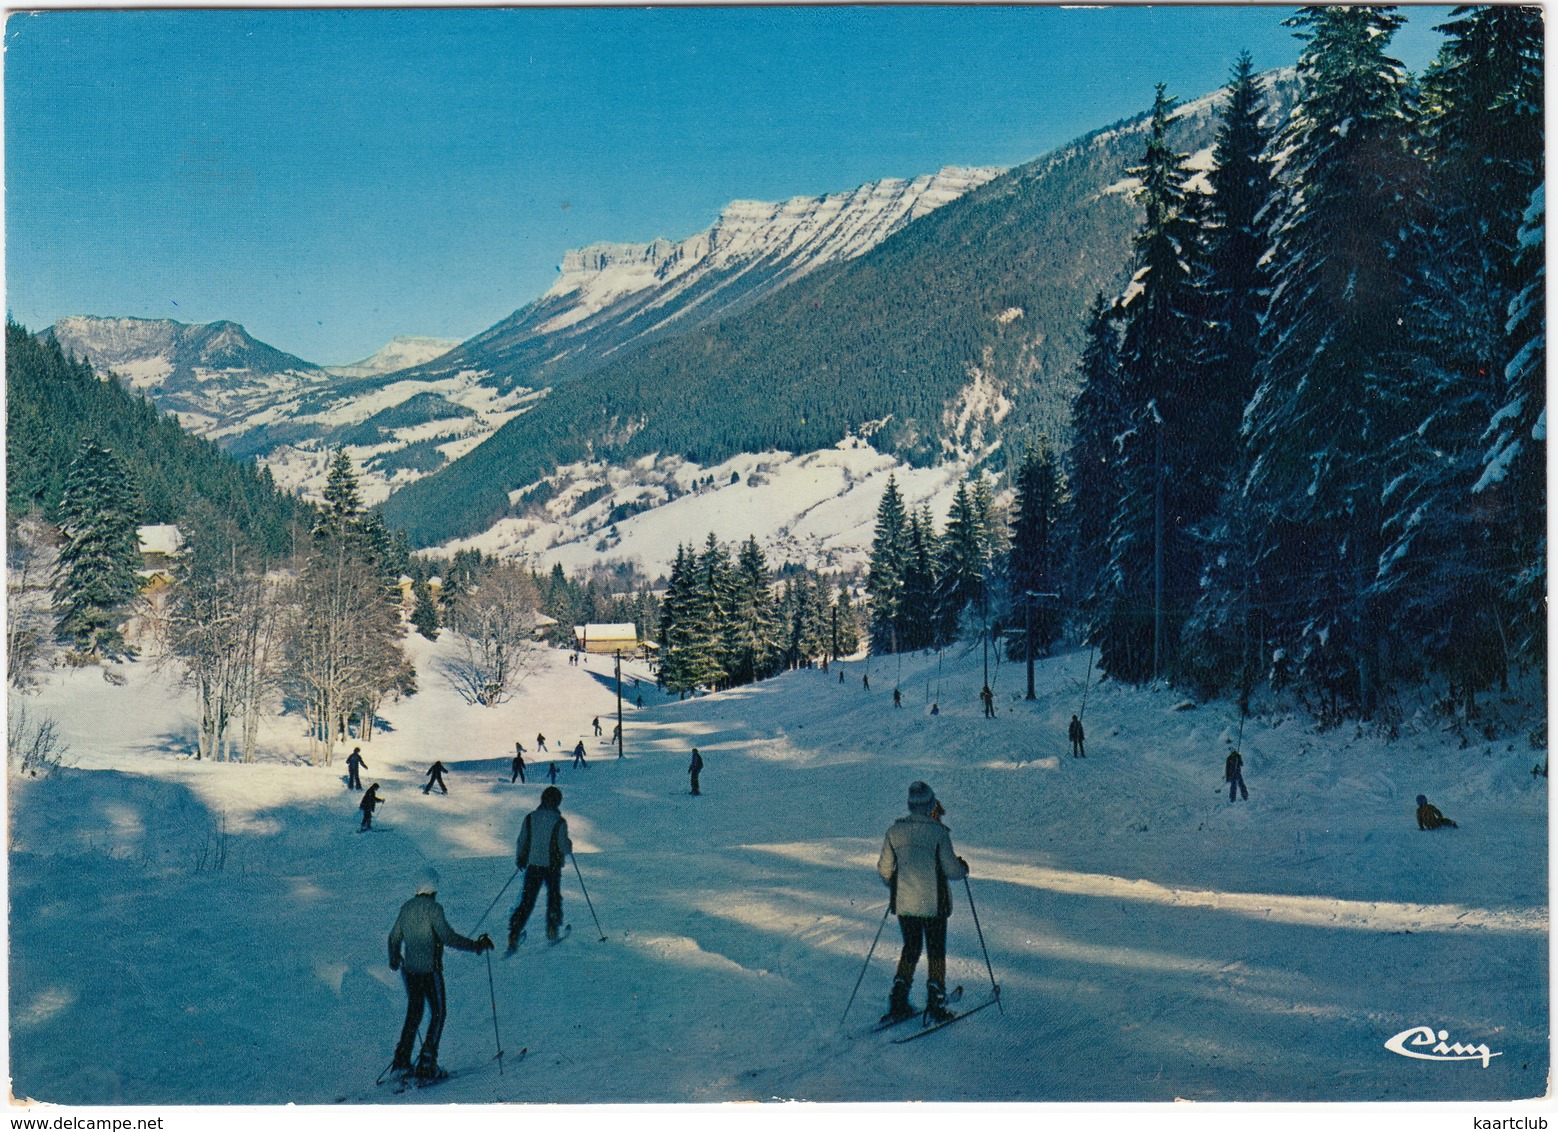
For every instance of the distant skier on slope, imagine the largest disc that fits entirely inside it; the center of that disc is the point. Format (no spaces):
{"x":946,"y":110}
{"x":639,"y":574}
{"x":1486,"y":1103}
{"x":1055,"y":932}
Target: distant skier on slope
{"x":578,"y":754}
{"x":435,"y":775}
{"x":988,"y":698}
{"x":695,"y":768}
{"x":917,"y":861}
{"x":897,"y":698}
{"x":370,"y":802}
{"x":1077,"y":737}
{"x":542,"y":846}
{"x":518,"y":774}
{"x":1429,"y":817}
{"x":540,"y":744}
{"x":551,"y":773}
{"x":354,"y":762}
{"x":1233,"y":775}
{"x":595,"y":723}
{"x":424,"y":932}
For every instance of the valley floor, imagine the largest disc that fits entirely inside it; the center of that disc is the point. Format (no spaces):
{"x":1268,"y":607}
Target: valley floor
{"x":187,"y":932}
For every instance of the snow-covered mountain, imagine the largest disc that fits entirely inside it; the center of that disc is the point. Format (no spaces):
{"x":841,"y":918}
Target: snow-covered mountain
{"x":398,"y":353}
{"x":211,"y":374}
{"x":612,"y":297}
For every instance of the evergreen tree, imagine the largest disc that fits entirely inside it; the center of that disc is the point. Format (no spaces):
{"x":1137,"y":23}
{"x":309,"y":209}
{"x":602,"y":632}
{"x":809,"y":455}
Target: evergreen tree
{"x":963,"y":567}
{"x":1098,"y":420}
{"x":917,"y":626}
{"x":424,"y":611}
{"x":885,"y":582}
{"x":1034,"y":563}
{"x":1331,"y":349}
{"x":96,"y":575}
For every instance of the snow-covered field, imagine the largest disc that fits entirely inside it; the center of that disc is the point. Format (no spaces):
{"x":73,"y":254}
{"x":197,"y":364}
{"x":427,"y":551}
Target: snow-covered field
{"x":191,"y":933}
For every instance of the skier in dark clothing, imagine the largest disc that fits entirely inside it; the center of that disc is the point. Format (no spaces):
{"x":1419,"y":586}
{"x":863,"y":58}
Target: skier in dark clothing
{"x":935,"y":709}
{"x":865,"y":681}
{"x":424,"y":932}
{"x":1429,"y":817}
{"x":1078,"y":751}
{"x":988,"y":697}
{"x":841,"y":675}
{"x":1233,"y":775}
{"x":519,"y":764}
{"x":540,"y":743}
{"x":695,"y":768}
{"x":595,"y":723}
{"x":551,"y":773}
{"x":435,"y":773}
{"x":543,"y":844}
{"x":916,"y":863}
{"x":370,"y":802}
{"x":578,"y":754}
{"x":354,"y":762}
{"x":897,"y":698}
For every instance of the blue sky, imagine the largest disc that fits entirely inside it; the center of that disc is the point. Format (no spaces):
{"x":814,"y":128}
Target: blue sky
{"x":333,"y":178}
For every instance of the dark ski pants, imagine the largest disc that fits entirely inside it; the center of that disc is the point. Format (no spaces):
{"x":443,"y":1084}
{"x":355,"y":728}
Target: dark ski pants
{"x":437,"y":780}
{"x":1076,"y":749}
{"x":927,"y":933}
{"x":367,"y":819}
{"x":517,"y":776}
{"x":352,"y":781}
{"x":1236,"y":783}
{"x":423,"y":990}
{"x":694,"y":781}
{"x":534,"y":876}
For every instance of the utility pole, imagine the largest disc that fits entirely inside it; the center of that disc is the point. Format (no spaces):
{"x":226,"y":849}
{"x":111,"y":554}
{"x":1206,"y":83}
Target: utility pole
{"x":1157,"y":555}
{"x":619,"y":703}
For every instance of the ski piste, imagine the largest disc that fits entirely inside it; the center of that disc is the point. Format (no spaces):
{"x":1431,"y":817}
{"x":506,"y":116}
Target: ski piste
{"x":991,"y":1001}
{"x":954,"y":995}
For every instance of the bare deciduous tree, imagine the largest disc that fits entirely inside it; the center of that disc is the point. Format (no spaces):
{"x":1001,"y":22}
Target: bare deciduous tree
{"x":496,"y":626}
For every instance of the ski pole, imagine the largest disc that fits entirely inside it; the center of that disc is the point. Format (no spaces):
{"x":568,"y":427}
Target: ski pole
{"x":870,"y":953}
{"x":495,"y":900}
{"x":493,"y":997}
{"x":587,"y":899}
{"x":995,"y":987}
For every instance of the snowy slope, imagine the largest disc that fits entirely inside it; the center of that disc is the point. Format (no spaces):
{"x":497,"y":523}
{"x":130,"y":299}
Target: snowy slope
{"x":1154,"y":941}
{"x":400,"y":352}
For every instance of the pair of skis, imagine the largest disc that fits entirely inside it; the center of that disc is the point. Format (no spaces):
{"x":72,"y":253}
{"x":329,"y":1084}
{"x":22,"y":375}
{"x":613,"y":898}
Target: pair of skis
{"x":408,"y":1081}
{"x":926,"y":1025}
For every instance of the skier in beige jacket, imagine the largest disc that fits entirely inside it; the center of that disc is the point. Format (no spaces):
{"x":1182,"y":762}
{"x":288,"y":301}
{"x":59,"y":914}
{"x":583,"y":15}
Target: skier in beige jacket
{"x":917,"y":862}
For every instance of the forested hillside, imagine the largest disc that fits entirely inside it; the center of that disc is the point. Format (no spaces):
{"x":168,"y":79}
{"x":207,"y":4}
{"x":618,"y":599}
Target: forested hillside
{"x":994,"y":284}
{"x":54,"y":402}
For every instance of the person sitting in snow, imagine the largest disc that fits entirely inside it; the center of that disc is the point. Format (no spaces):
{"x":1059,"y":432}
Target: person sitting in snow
{"x":1429,"y":817}
{"x":424,"y":932}
{"x":370,"y":802}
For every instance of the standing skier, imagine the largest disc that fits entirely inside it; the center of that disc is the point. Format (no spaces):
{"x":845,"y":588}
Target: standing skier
{"x":551,"y":773}
{"x":916,"y":863}
{"x":370,"y":802}
{"x":865,"y":681}
{"x":354,"y":763}
{"x":1233,"y":775}
{"x":424,"y":932}
{"x":542,"y":846}
{"x":1429,"y":817}
{"x":695,"y":768}
{"x":595,"y":723}
{"x":578,"y":754}
{"x":988,"y":697}
{"x":1076,"y":734}
{"x":435,"y":774}
{"x":541,"y":744}
{"x":897,"y":698}
{"x":519,"y":764}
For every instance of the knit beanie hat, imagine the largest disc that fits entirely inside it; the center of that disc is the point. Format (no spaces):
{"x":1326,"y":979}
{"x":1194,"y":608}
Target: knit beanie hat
{"x":427,"y":881}
{"x":551,"y":797}
{"x":1422,"y":799}
{"x":921,"y":799}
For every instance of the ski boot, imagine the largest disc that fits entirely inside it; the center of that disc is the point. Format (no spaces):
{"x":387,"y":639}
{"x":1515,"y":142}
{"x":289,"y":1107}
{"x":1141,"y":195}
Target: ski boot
{"x":936,"y":1003}
{"x":898,"y":1007}
{"x":428,"y":1069}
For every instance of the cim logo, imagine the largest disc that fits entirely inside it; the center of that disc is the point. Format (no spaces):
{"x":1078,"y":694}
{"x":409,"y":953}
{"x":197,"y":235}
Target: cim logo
{"x":1419,"y":1037}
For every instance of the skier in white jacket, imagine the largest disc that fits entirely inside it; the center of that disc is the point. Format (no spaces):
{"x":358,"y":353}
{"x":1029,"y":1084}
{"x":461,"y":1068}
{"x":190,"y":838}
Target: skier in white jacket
{"x":542,"y":847}
{"x":917,"y":862}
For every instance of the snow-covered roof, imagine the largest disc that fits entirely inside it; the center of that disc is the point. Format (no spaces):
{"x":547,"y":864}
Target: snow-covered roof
{"x":160,"y":538}
{"x":622,"y":631}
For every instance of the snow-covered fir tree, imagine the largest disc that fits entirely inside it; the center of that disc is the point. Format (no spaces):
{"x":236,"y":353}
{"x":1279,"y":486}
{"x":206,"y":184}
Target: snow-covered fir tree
{"x":95,"y":578}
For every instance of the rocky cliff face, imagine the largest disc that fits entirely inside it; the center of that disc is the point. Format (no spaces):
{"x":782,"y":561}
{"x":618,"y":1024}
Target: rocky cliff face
{"x":789,"y":238}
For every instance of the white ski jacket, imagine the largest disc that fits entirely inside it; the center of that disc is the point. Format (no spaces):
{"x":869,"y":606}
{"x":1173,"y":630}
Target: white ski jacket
{"x":543,"y":840}
{"x":917,"y":862}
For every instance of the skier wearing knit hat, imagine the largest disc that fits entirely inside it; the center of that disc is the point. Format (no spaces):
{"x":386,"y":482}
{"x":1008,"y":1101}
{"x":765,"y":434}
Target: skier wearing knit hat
{"x":424,"y":932}
{"x":917,"y":862}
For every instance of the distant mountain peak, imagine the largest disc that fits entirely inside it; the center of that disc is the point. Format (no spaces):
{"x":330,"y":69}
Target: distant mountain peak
{"x":400,"y":352}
